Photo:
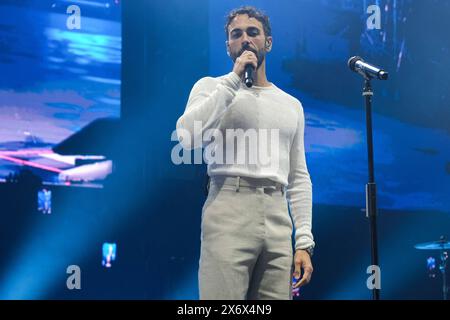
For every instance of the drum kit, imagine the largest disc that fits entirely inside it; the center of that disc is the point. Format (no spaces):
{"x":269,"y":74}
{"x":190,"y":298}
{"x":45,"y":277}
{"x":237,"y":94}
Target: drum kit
{"x":442,"y":245}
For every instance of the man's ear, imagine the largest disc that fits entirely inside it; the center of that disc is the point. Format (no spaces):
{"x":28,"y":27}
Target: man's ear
{"x":228,"y":48}
{"x":268,"y":44}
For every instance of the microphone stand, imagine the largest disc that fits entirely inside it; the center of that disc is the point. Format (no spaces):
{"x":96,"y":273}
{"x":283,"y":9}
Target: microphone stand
{"x":371,"y":188}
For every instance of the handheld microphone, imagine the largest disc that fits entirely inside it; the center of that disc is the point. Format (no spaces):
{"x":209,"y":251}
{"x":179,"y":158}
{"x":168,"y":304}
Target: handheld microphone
{"x":248,"y":75}
{"x":357,"y":64}
{"x":248,"y":71}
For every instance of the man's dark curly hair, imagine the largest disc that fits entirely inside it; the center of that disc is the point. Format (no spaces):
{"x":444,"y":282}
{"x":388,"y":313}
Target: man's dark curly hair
{"x":252,"y":12}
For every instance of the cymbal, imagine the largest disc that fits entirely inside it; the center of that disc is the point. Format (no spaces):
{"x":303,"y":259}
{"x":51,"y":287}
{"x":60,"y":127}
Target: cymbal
{"x":434,"y":245}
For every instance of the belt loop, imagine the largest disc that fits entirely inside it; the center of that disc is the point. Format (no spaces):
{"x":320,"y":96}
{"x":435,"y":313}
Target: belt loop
{"x":237,"y":183}
{"x":283,"y":190}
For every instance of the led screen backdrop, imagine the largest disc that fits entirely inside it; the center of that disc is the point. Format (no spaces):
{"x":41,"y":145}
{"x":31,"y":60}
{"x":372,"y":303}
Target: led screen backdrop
{"x":59,"y":72}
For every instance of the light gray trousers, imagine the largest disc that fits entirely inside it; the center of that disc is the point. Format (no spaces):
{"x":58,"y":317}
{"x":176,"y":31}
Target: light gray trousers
{"x":246,"y":241}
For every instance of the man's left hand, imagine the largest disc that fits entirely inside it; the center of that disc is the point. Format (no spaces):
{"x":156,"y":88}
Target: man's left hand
{"x":302,"y":261}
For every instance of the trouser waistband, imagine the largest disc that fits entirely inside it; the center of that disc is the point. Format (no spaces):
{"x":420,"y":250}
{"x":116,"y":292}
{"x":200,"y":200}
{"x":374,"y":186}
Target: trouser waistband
{"x":241,"y":181}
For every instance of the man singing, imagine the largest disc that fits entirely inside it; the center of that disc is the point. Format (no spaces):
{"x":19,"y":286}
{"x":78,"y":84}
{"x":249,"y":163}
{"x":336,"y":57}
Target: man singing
{"x":246,"y":235}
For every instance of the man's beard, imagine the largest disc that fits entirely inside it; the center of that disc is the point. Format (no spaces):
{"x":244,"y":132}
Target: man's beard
{"x":260,"y":55}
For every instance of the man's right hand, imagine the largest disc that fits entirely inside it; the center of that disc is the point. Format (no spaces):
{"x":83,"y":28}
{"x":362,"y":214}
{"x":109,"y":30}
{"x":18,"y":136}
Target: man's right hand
{"x":247,"y":57}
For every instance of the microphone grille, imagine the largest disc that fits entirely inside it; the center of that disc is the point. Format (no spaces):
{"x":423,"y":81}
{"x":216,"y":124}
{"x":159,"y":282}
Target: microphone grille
{"x":352,"y":61}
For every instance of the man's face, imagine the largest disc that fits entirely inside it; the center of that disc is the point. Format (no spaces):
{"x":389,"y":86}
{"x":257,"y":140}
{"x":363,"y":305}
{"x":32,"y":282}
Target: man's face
{"x":245,"y":33}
